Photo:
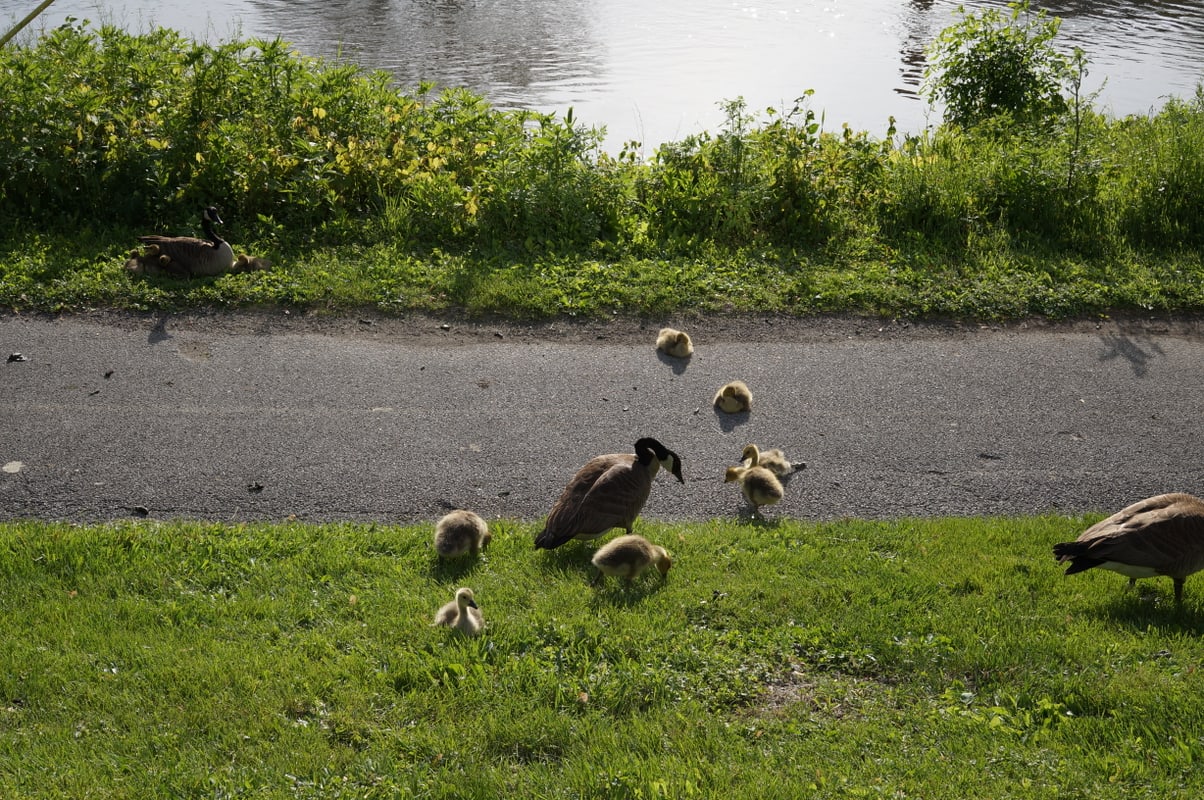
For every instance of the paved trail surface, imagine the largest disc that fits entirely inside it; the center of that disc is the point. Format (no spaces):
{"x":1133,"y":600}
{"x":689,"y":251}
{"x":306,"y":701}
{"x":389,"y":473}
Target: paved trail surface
{"x":271,"y":415}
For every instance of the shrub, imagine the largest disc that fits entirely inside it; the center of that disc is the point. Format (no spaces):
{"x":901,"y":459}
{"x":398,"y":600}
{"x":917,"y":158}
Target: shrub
{"x":989,"y":65}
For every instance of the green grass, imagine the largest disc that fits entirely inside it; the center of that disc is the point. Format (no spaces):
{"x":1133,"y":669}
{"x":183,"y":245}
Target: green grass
{"x":937,"y":658}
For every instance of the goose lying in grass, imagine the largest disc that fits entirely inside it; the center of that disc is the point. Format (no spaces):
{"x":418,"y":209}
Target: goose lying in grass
{"x":674,"y":343}
{"x":609,"y":491}
{"x":1161,"y":535}
{"x":460,"y":532}
{"x":734,"y":398}
{"x":773,"y":460}
{"x":461,"y":614}
{"x":186,"y":256}
{"x":628,"y":556}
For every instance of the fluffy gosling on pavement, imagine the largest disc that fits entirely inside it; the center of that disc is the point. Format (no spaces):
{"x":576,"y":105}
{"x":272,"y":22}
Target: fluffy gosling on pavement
{"x":734,"y":398}
{"x":674,"y":343}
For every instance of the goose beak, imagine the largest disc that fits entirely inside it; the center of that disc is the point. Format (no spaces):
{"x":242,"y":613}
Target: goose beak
{"x":675,"y":468}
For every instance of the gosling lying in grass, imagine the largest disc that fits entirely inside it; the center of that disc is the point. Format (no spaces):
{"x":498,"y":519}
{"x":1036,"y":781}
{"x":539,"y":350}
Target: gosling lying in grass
{"x":461,"y":614}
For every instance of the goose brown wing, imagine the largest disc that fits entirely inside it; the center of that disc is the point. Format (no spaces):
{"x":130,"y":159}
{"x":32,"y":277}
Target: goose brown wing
{"x":616,"y":498}
{"x":179,"y":248}
{"x":1165,"y":533}
{"x":569,"y":514}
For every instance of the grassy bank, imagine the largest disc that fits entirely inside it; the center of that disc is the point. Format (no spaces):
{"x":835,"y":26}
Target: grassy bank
{"x":366,"y":195}
{"x":936,"y":659}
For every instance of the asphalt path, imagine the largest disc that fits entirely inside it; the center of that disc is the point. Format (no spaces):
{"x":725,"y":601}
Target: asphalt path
{"x":277,"y":415}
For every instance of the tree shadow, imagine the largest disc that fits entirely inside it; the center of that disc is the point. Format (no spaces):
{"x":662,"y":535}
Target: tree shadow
{"x":1139,"y":355}
{"x":159,"y":332}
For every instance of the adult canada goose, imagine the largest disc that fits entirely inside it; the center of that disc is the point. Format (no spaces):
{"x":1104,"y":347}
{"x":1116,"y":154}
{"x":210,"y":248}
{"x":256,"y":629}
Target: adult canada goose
{"x":733,"y":398}
{"x":674,"y":343}
{"x":773,"y":460}
{"x":760,"y":486}
{"x":608,"y":492}
{"x":1161,"y":535}
{"x":628,"y":556}
{"x":191,"y":257}
{"x":460,"y":532}
{"x":461,"y":614}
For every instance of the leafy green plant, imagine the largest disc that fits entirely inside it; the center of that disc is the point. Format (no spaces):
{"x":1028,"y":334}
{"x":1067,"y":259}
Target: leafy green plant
{"x":992,"y":64}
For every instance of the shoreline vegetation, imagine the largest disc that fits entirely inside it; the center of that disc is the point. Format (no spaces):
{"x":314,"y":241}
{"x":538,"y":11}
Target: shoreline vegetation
{"x":367,"y":196}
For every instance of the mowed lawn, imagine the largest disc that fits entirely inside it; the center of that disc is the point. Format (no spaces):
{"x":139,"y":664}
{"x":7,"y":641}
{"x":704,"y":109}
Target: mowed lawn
{"x":943,"y":658}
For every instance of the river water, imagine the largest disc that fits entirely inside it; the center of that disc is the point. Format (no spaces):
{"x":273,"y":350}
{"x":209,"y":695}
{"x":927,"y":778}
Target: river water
{"x":657,"y":71}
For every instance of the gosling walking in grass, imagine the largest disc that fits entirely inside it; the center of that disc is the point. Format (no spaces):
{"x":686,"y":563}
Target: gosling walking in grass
{"x":628,"y":556}
{"x":461,"y":532}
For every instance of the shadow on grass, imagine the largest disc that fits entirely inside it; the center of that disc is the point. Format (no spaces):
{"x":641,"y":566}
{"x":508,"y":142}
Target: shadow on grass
{"x":446,"y":570}
{"x":571,"y":558}
{"x":1146,"y":608}
{"x":749,"y":516}
{"x":618,"y":592}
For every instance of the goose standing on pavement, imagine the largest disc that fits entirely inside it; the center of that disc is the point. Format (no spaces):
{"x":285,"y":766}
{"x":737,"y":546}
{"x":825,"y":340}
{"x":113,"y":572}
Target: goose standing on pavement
{"x":608,"y":492}
{"x":1161,"y":535}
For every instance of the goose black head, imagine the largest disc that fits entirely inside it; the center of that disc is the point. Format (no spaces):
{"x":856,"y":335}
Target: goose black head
{"x":210,"y":215}
{"x":648,"y":448}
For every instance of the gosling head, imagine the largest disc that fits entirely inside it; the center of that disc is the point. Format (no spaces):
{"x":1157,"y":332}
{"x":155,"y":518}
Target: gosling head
{"x":464,"y":598}
{"x":751,"y":455}
{"x":733,"y":474}
{"x":661,"y":558}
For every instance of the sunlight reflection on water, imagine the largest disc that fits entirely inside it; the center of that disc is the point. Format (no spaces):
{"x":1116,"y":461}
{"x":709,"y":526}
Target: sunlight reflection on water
{"x":657,"y":72}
